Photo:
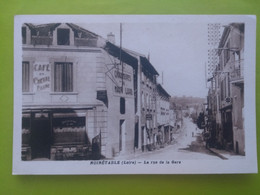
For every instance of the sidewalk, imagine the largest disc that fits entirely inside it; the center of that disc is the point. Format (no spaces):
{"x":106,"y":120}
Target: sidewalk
{"x":225,"y":155}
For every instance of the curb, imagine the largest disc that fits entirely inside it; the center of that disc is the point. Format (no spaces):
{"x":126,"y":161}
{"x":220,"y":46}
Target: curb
{"x":218,"y":154}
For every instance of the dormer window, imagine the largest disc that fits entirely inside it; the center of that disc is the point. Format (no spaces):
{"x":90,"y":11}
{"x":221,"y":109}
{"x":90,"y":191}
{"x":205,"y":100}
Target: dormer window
{"x":79,"y":34}
{"x":63,"y":36}
{"x":24,"y":35}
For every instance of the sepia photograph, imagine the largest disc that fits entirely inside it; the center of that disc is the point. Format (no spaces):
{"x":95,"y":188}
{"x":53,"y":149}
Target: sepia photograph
{"x":134,"y":94}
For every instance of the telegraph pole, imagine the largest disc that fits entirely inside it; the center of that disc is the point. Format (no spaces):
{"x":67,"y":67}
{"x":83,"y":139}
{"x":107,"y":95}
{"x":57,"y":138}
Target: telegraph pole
{"x":121,"y":63}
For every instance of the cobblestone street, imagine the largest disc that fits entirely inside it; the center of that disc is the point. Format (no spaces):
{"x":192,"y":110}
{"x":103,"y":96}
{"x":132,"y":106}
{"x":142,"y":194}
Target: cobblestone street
{"x":188,"y":146}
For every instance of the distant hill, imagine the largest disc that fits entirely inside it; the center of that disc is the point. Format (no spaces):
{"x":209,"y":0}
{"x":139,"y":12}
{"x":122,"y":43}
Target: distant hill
{"x":186,"y":101}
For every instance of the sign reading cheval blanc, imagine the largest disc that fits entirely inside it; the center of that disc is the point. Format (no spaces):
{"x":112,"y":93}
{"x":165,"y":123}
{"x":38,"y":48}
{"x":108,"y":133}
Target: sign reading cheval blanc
{"x":41,"y":76}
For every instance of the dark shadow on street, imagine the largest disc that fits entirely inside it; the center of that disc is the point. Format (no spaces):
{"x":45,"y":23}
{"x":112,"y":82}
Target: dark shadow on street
{"x":198,"y":146}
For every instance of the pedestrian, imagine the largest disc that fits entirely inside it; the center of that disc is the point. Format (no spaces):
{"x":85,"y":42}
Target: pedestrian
{"x":207,"y":138}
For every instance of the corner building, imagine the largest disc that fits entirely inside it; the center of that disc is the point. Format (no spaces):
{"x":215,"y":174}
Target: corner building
{"x":226,"y":93}
{"x":231,"y":54}
{"x":78,"y":96}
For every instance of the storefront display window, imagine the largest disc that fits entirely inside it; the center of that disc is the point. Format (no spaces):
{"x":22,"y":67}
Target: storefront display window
{"x":69,"y":130}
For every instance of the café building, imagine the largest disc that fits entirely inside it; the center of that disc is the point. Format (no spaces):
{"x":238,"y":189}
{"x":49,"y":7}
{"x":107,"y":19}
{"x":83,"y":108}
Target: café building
{"x":78,"y":100}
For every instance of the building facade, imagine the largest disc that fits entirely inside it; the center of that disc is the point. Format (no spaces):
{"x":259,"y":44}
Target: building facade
{"x":226,"y":94}
{"x":148,"y":116}
{"x":165,"y":129}
{"x":146,"y":107}
{"x":78,"y":95}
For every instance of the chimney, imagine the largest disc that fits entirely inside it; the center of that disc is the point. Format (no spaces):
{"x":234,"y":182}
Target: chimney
{"x":111,"y":38}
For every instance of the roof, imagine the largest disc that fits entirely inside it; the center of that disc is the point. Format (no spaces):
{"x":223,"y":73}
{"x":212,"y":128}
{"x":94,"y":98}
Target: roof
{"x":85,"y":33}
{"x":44,"y":29}
{"x":144,"y":61}
{"x":125,"y":57}
{"x":162,"y":91}
{"x":112,"y":49}
{"x":148,"y":66}
{"x":227,"y":30}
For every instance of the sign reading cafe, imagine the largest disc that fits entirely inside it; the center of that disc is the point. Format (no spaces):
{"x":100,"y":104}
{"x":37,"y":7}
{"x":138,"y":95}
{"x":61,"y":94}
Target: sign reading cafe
{"x":41,"y":76}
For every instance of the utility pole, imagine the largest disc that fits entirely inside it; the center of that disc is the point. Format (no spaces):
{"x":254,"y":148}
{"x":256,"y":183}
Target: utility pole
{"x":162,"y":77}
{"x":121,"y":63}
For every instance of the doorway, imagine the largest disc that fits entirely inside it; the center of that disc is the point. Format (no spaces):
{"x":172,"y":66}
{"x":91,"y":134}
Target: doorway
{"x":136,"y":135}
{"x":228,"y":129}
{"x":41,"y":137}
{"x":122,"y":136}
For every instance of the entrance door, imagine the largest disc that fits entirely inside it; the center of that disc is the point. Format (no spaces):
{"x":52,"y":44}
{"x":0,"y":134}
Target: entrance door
{"x":136,"y":135}
{"x":41,"y":137}
{"x":122,"y":136}
{"x":228,"y":129}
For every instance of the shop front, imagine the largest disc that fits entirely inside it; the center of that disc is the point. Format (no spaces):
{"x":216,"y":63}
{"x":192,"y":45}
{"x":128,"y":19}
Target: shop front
{"x":55,"y":135}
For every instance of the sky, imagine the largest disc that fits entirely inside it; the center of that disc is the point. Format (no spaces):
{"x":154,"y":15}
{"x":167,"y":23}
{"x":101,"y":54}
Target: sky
{"x":179,"y":50}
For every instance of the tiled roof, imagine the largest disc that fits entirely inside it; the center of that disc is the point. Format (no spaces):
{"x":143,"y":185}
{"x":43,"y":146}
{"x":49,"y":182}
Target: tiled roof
{"x":162,"y":91}
{"x":85,"y":33}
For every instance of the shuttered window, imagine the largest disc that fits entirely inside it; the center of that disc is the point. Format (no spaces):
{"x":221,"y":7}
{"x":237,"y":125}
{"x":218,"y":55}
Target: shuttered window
{"x":25,"y":77}
{"x":122,"y":105}
{"x":63,"y":77}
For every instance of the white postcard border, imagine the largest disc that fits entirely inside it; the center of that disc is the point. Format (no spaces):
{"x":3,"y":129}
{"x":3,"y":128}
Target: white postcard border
{"x":246,"y":165}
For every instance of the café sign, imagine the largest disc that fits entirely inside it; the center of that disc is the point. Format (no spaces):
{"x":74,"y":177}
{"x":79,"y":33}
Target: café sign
{"x":41,"y":76}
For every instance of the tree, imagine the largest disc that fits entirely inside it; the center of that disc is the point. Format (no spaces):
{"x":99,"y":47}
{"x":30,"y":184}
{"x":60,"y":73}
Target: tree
{"x":201,"y":121}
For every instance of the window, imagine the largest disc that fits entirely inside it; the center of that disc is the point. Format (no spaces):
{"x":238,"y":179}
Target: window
{"x":150,"y":102}
{"x":227,"y":53}
{"x":69,"y":130}
{"x":25,"y":77}
{"x":26,"y":129}
{"x":228,"y":86}
{"x":122,"y":105}
{"x":63,"y":36}
{"x":147,"y":101}
{"x":63,"y":77}
{"x":143,"y":99}
{"x":24,"y":35}
{"x":222,"y":90}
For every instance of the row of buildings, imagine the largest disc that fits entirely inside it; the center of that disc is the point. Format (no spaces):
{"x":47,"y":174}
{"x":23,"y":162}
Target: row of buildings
{"x":225,"y":113}
{"x":84,"y":97}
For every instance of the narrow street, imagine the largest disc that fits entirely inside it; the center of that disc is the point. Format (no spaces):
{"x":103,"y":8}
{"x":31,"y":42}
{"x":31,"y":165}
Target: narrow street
{"x":188,"y":146}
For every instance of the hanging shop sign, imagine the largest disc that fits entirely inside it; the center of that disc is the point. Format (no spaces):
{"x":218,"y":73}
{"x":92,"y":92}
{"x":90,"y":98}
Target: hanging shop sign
{"x":124,"y":83}
{"x":41,"y":76}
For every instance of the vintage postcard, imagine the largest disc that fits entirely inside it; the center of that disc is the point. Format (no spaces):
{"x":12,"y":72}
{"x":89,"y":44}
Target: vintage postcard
{"x":134,"y":94}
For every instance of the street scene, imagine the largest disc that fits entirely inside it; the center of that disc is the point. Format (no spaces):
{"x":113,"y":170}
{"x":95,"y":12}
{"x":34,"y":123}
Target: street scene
{"x":144,"y":91}
{"x":188,"y":144}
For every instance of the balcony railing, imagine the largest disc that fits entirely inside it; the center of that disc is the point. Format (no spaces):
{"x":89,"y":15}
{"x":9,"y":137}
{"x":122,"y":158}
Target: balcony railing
{"x":42,"y":40}
{"x":85,"y":42}
{"x":237,"y":74}
{"x":47,"y":40}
